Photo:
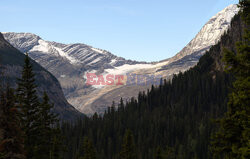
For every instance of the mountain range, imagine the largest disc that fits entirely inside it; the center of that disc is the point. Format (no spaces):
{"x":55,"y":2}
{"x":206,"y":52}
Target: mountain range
{"x":69,"y":63}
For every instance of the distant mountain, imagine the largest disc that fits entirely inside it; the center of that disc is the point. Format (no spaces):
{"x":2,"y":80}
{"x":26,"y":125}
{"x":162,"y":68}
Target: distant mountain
{"x":69,"y":62}
{"x":12,"y":60}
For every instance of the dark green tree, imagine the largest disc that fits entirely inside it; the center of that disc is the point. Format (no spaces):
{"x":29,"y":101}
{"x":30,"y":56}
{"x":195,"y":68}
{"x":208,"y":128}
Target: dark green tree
{"x":57,"y":146}
{"x":29,"y":108}
{"x":128,"y":147}
{"x":47,"y":133}
{"x":169,"y":153}
{"x":232,"y":141}
{"x":11,"y":143}
{"x":89,"y":151}
{"x":158,"y":153}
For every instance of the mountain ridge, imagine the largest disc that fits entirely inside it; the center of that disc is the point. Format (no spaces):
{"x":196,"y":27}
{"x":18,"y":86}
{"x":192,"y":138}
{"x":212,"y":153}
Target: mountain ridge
{"x":69,"y":62}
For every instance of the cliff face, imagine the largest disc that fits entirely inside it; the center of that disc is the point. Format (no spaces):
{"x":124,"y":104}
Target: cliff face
{"x":11,"y":61}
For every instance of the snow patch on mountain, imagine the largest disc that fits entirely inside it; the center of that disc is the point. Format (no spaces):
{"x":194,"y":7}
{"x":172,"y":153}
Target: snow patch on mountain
{"x":124,"y":69}
{"x":63,"y":54}
{"x":95,"y":61}
{"x":42,"y":46}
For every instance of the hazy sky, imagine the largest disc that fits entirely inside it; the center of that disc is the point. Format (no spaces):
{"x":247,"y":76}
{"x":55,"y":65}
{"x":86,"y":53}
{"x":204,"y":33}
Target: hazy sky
{"x":145,"y":30}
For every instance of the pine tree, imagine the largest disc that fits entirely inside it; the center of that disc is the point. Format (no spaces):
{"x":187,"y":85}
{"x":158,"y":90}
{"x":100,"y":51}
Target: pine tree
{"x":29,"y":108}
{"x":89,"y":151}
{"x":11,"y":143}
{"x":169,"y":153}
{"x":232,"y":141}
{"x":128,"y":148}
{"x":57,"y":145}
{"x":47,"y":133}
{"x":158,"y":154}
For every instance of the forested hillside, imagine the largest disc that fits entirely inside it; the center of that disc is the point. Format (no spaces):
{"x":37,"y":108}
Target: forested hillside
{"x":172,"y":121}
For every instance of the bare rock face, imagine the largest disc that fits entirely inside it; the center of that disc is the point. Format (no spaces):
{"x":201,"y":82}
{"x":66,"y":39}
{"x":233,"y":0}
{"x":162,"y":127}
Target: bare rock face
{"x":69,"y":63}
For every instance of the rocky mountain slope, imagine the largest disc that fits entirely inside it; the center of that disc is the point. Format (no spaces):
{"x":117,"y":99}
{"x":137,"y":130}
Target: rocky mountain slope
{"x":210,"y":33}
{"x":69,"y":63}
{"x":11,"y":61}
